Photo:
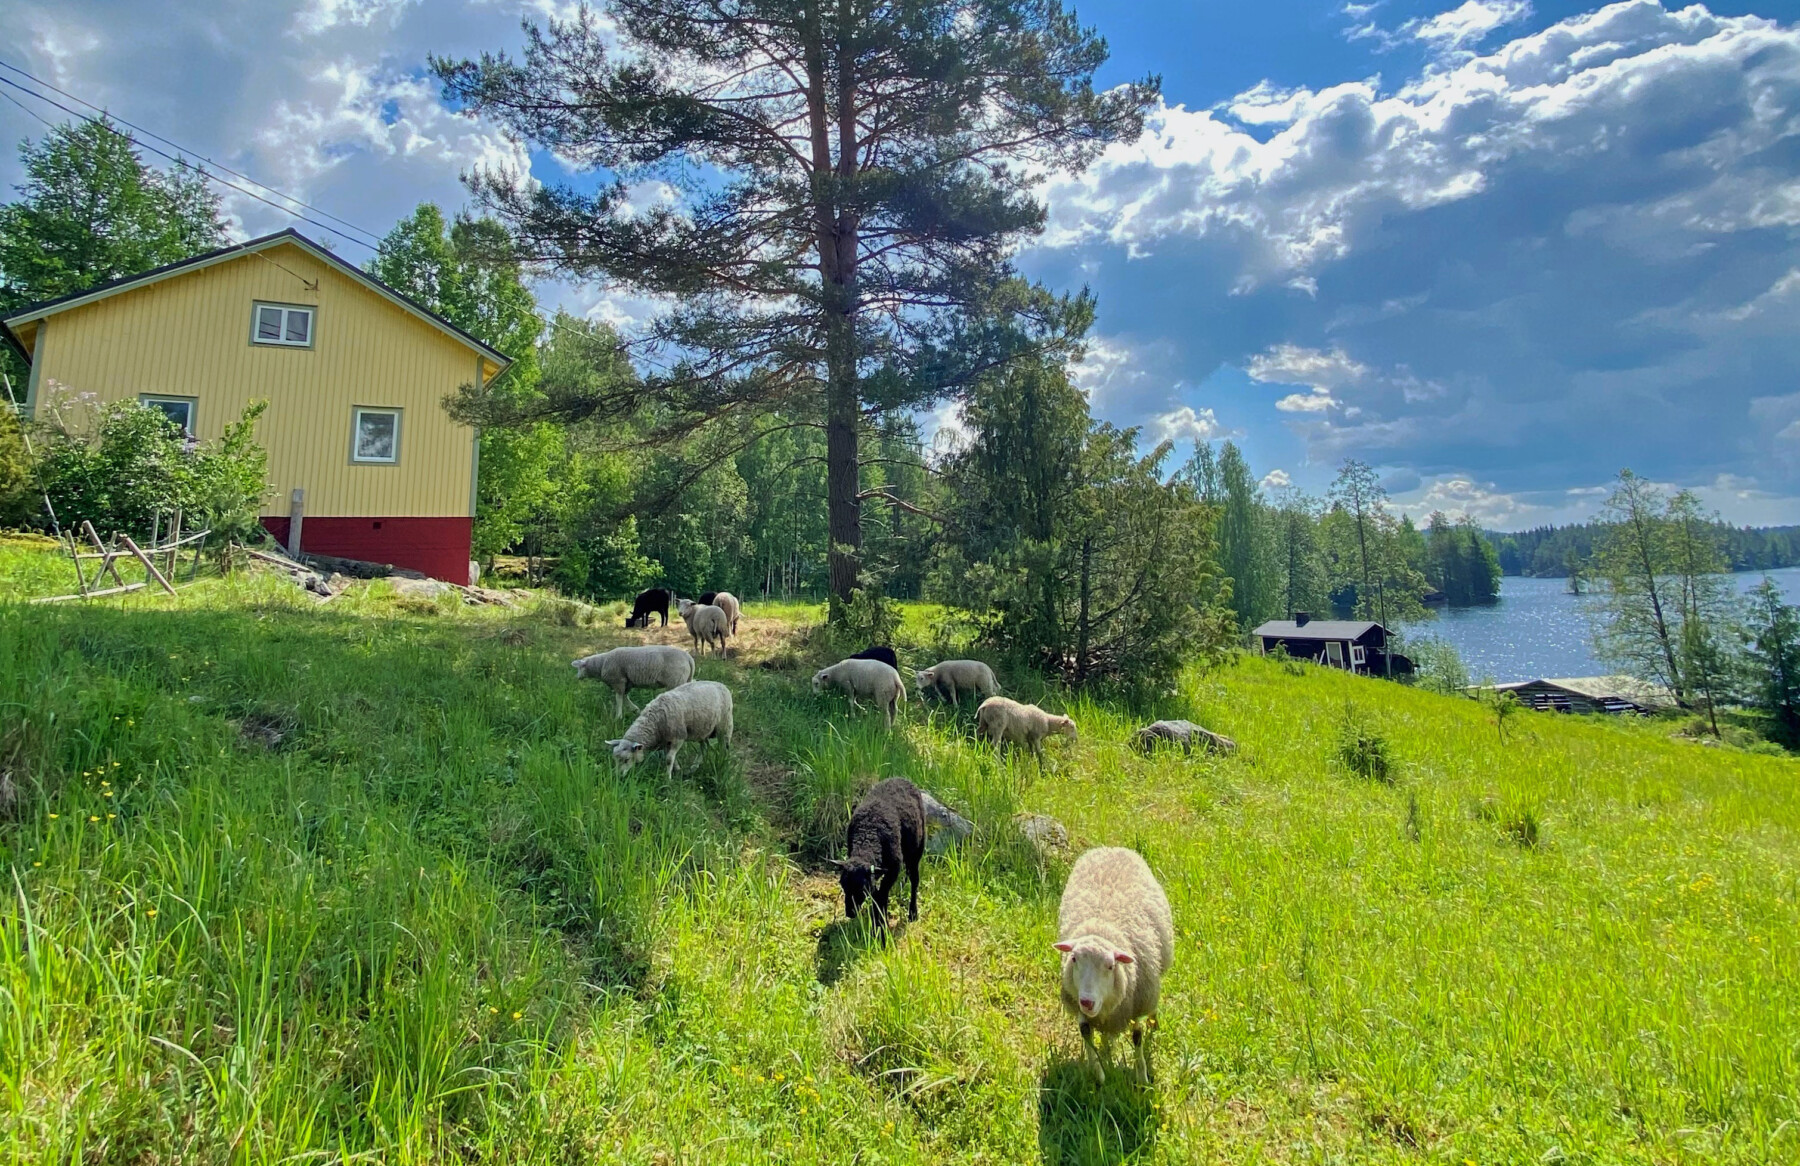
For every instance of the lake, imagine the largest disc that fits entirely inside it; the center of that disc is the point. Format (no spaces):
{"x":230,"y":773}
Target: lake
{"x":1538,"y":629}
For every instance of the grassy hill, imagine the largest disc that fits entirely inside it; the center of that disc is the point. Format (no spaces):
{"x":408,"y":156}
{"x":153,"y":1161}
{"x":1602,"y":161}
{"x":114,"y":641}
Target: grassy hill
{"x":309,"y":882}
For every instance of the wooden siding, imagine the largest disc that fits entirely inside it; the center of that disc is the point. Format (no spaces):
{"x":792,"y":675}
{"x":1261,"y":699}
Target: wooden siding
{"x":189,"y":336}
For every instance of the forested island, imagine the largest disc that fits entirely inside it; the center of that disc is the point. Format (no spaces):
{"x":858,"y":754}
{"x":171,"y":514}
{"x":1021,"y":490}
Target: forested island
{"x":1556,"y":552}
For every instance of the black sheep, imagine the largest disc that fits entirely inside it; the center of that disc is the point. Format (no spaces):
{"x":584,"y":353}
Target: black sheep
{"x":707,"y":597}
{"x":655,"y":601}
{"x":885,"y":655}
{"x":887,"y":829}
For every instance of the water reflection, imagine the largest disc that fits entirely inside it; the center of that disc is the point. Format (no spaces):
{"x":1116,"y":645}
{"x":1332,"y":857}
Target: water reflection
{"x":1539,"y":629}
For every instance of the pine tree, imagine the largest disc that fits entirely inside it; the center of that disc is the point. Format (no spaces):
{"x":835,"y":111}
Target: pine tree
{"x":1774,"y":659}
{"x":853,"y":178}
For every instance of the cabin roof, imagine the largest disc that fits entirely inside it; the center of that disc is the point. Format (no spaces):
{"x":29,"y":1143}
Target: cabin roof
{"x":1316,"y":629}
{"x":400,"y":300}
{"x":1626,"y":688}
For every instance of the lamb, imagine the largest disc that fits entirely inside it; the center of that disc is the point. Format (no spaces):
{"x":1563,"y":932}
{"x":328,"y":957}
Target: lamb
{"x":1001,"y":720}
{"x":949,"y":677}
{"x":1117,"y":942}
{"x":1183,"y":733}
{"x":887,"y":829}
{"x":652,"y":602}
{"x":877,"y":652}
{"x":874,"y":679}
{"x":699,"y":710}
{"x":643,"y":666}
{"x":705,"y":623}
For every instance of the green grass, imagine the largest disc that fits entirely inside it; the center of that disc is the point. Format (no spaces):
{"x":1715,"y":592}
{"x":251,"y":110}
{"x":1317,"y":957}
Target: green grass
{"x":313,"y":882}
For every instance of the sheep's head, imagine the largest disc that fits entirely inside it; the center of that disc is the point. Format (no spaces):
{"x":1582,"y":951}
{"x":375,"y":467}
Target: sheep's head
{"x":1065,"y":726}
{"x":820,"y":680}
{"x":858,"y":881}
{"x":632,"y":621}
{"x":925,"y":678}
{"x":1093,"y":973}
{"x":627,"y":752}
{"x":586,"y":666}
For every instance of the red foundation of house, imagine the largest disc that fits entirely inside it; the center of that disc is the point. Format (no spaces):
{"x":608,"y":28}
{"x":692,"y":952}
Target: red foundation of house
{"x":438,"y":547}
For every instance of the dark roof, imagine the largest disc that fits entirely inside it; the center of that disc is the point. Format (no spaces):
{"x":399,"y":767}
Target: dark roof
{"x":1316,"y":629}
{"x":251,"y":246}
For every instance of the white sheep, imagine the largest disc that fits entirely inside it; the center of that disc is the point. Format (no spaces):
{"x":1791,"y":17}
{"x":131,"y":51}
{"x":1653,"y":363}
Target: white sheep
{"x":949,"y":677}
{"x":1001,"y":720}
{"x":1117,"y":942}
{"x":699,"y":710}
{"x":874,"y":679}
{"x":706,"y":624}
{"x":641,"y":666}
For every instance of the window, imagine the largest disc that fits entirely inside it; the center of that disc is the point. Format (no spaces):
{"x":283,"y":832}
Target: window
{"x":376,"y":436}
{"x":179,"y":410}
{"x":283,"y":325}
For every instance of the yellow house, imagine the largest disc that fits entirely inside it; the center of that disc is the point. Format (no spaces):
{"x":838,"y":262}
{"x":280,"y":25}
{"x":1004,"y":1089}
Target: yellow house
{"x":354,"y":372}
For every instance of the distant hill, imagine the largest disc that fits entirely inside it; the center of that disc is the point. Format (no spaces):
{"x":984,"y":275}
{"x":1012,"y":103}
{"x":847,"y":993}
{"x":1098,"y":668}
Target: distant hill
{"x":1547,"y":551}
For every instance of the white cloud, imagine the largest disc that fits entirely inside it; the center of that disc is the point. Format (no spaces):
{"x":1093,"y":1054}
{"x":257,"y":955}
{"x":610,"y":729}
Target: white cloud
{"x":1306,"y":402}
{"x":1468,"y":24}
{"x":1291,"y":364}
{"x":1276,"y":480}
{"x":323,"y":15}
{"x":1185,"y":424}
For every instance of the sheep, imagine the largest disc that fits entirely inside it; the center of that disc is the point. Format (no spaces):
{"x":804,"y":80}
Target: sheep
{"x":1183,"y":733}
{"x":1117,"y":942}
{"x":707,"y":597}
{"x":887,"y":829}
{"x":949,"y":677}
{"x":643,"y":666}
{"x":1001,"y":720}
{"x":728,"y":603}
{"x":877,"y":652}
{"x":871,"y":678}
{"x":699,"y":710}
{"x":705,"y":623}
{"x":648,"y":603}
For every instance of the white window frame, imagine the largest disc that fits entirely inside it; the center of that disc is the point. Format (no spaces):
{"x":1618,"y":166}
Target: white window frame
{"x":356,"y":416}
{"x":257,"y":308}
{"x":192,"y":403}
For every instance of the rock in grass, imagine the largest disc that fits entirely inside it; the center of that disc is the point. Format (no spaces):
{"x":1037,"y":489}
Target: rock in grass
{"x":1044,"y":832}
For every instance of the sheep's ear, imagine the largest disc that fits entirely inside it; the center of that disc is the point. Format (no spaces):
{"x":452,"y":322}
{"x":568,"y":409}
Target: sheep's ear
{"x":836,"y":862}
{"x":615,"y":742}
{"x":1123,"y":958}
{"x":1065,"y":948}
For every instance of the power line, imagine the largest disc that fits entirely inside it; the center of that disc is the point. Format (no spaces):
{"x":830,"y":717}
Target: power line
{"x":183,"y":149}
{"x":200,"y":170}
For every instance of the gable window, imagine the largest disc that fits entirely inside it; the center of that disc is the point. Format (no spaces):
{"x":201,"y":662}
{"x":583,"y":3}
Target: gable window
{"x":282,"y":324}
{"x":179,"y":410}
{"x":375,"y":436}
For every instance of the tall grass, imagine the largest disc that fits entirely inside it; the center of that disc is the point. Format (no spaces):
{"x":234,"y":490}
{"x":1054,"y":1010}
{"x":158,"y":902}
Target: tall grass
{"x":293,"y":880}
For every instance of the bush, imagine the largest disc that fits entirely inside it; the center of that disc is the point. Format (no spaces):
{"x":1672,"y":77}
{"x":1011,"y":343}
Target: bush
{"x":1438,"y":666}
{"x":134,"y":466}
{"x":1362,"y":749}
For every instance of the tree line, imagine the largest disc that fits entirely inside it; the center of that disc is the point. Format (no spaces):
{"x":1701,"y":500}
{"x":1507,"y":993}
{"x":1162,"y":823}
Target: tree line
{"x":1561,"y":552}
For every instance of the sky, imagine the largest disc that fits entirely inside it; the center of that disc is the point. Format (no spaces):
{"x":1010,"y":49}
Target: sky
{"x":1499,"y":250}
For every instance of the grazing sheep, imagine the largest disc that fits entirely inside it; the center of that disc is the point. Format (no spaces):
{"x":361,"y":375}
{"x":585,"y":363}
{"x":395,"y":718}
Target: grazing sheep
{"x":705,"y":623}
{"x":652,"y":602}
{"x":877,"y":652}
{"x":699,"y":710}
{"x":887,"y":829}
{"x":707,"y":598}
{"x":951,"y":677}
{"x":1183,"y":733}
{"x":1117,"y":941}
{"x":1001,"y":720}
{"x":643,"y":666}
{"x":871,"y":678}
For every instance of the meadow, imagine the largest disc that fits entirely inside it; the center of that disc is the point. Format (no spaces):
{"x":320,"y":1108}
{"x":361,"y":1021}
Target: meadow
{"x":301,"y":881}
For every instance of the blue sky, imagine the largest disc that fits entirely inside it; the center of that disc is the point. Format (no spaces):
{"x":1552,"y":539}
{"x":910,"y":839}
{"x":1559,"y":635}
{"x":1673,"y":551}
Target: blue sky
{"x":1498,"y":249}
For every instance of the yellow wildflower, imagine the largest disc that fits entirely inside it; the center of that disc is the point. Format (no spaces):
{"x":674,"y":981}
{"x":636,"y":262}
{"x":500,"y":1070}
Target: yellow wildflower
{"x":151,"y":912}
{"x":56,"y":815}
{"x":494,"y":1010}
{"x":517,"y":1015}
{"x":110,"y":817}
{"x":93,"y":817}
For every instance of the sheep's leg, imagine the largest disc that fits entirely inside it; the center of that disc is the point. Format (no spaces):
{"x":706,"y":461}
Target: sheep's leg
{"x":618,"y":703}
{"x":1140,"y":1036}
{"x":912,"y":872}
{"x":674,"y":748}
{"x":1093,"y":1054}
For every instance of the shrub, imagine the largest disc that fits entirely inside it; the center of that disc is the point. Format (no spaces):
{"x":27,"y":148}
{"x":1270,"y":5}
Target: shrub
{"x":135,"y":466}
{"x":1438,"y":666}
{"x":1362,"y":749}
